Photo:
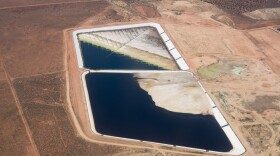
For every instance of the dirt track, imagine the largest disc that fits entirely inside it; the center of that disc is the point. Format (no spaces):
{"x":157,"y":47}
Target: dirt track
{"x":33,"y":56}
{"x":33,"y":3}
{"x":39,"y":83}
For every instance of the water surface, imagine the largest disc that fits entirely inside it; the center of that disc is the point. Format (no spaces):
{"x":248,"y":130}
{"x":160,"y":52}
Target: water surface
{"x":121,"y":108}
{"x":98,"y":58}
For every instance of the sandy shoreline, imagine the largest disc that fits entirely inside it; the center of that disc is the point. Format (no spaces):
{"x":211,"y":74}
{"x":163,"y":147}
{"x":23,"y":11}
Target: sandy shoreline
{"x":176,"y":92}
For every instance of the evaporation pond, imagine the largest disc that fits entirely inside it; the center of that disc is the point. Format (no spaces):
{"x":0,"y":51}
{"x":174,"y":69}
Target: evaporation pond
{"x":98,"y":58}
{"x":122,"y":108}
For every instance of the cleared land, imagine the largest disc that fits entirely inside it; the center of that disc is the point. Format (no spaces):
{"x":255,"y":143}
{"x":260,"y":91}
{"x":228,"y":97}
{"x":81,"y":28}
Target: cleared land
{"x":32,"y":53}
{"x":34,"y":41}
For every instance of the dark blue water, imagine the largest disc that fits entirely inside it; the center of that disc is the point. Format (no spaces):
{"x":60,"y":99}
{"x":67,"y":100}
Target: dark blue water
{"x":121,"y":108}
{"x":99,"y":58}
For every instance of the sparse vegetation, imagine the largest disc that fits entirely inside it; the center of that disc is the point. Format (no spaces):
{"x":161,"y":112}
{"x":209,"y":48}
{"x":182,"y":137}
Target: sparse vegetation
{"x":238,"y":7}
{"x":221,"y":96}
{"x":33,"y":46}
{"x":258,"y":136}
{"x":262,"y":103}
{"x":209,"y":71}
{"x":278,"y":142}
{"x":178,"y":12}
{"x":221,"y":68}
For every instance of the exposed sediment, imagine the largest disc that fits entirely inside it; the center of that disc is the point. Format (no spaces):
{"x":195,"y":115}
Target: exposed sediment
{"x":176,"y":92}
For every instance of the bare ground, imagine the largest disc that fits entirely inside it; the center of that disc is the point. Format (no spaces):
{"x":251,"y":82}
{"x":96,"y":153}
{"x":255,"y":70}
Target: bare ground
{"x":32,"y":55}
{"x":13,"y":136}
{"x":235,"y":10}
{"x":38,"y":117}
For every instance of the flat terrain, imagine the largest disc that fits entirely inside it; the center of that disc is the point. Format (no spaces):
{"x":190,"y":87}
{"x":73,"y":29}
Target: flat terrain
{"x":235,"y":13}
{"x":34,"y":114}
{"x":239,"y":7}
{"x":42,"y":106}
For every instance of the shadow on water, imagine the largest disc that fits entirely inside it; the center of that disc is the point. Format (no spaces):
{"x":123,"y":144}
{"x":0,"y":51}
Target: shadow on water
{"x":122,"y":108}
{"x":99,"y":58}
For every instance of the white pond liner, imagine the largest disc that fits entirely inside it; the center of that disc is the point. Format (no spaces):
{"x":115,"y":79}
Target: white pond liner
{"x":238,"y":148}
{"x":168,"y":43}
{"x":175,"y":54}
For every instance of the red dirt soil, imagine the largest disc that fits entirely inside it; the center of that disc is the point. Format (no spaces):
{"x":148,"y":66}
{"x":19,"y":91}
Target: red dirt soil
{"x":147,"y":11}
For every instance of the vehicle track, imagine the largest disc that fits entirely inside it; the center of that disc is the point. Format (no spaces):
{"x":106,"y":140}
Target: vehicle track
{"x":48,"y":4}
{"x":26,"y":126}
{"x":75,"y":121}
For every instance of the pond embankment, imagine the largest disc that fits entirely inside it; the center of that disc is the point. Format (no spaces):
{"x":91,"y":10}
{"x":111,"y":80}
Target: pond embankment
{"x":143,"y":44}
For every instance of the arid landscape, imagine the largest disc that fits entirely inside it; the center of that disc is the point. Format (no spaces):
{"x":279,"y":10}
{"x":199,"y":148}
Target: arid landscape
{"x":232,"y":46}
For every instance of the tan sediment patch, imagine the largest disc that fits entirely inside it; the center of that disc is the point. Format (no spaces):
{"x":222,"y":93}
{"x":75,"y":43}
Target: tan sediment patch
{"x":180,"y":93}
